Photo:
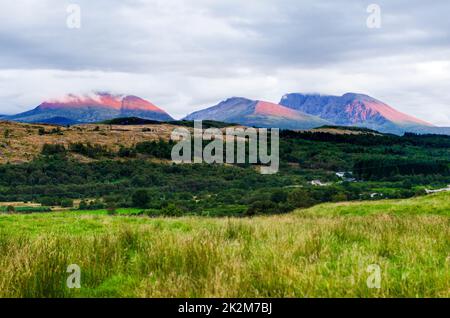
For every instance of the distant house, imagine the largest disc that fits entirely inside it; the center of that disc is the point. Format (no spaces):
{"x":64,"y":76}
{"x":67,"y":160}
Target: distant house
{"x":340,"y":174}
{"x":346,"y":176}
{"x":319,"y":183}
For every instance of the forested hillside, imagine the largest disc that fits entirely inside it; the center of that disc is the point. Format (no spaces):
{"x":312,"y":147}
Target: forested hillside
{"x":327,"y":165}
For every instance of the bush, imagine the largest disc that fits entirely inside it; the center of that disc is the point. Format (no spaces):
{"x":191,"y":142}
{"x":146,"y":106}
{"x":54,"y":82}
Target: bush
{"x":111,"y":210}
{"x":157,"y":149}
{"x":279,"y":196}
{"x":83,"y":205}
{"x":53,"y":150}
{"x":67,"y":203}
{"x":300,"y":199}
{"x":96,"y":205}
{"x":93,"y":205}
{"x":339,"y":197}
{"x":111,"y":205}
{"x":262,"y":207}
{"x":171,"y":210}
{"x":49,"y":201}
{"x":141,"y":199}
{"x":89,"y":150}
{"x":126,"y":152}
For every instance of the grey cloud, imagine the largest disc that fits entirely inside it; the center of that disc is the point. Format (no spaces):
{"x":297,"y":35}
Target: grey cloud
{"x":141,"y":36}
{"x":185,"y":55}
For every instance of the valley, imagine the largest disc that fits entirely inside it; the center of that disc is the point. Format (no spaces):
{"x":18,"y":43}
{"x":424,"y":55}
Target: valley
{"x":107,"y":198}
{"x":120,"y":166}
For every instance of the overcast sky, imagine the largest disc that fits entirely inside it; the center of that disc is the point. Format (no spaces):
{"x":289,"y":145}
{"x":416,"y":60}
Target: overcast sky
{"x":184,"y":55}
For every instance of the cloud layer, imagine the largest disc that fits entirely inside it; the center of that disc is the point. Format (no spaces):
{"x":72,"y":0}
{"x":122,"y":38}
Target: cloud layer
{"x":185,"y":56}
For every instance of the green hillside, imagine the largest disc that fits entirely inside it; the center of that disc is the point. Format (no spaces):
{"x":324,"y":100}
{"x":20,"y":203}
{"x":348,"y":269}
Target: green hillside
{"x":437,"y":204}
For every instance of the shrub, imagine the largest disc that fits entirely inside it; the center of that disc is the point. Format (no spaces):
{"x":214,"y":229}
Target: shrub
{"x":141,"y":199}
{"x":49,"y":201}
{"x":157,"y":149}
{"x":84,"y":205}
{"x":96,"y":205}
{"x":10,"y":209}
{"x":111,"y":205}
{"x":262,"y":207}
{"x":53,"y":149}
{"x":89,"y":150}
{"x":171,"y":210}
{"x":300,"y":199}
{"x":67,"y":203}
{"x":93,"y":205}
{"x":339,"y":197}
{"x":279,"y":196}
{"x":126,"y":152}
{"x":111,"y":210}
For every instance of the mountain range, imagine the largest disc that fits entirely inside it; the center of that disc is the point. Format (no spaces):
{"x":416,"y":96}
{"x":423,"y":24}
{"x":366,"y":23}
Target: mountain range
{"x":96,"y":107}
{"x":304,"y":111}
{"x":355,"y":110}
{"x":258,"y":113}
{"x":294,"y":111}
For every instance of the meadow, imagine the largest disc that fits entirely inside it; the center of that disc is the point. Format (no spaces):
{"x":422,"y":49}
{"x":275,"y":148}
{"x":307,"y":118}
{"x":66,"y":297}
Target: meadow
{"x":323,"y":251}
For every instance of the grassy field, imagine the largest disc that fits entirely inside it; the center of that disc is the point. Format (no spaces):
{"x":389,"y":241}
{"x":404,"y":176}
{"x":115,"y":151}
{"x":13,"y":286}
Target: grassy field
{"x":324,"y":251}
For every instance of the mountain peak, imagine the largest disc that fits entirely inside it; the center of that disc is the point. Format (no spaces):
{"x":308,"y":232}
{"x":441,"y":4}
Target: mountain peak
{"x":102,"y":99}
{"x":76,"y":101}
{"x":132,"y":102}
{"x":353,"y":109}
{"x":94,"y":107}
{"x":258,"y":113}
{"x":235,"y":100}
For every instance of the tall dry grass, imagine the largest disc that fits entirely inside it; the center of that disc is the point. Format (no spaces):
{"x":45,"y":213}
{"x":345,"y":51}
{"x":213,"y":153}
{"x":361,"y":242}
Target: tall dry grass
{"x":297,"y":255}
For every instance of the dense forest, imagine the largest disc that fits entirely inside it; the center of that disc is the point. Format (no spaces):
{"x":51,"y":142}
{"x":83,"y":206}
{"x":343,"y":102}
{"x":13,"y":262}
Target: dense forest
{"x":344,"y":166}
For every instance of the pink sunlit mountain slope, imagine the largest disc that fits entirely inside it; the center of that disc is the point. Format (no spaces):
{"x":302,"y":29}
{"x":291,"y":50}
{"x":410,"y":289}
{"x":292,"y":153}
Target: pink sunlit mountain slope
{"x":356,"y":110}
{"x":257,"y":113}
{"x":92,"y":108}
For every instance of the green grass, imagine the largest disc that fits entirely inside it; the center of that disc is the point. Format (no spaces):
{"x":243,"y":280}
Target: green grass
{"x":27,"y":209}
{"x":121,"y":211}
{"x":425,"y":205}
{"x":320,"y":252}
